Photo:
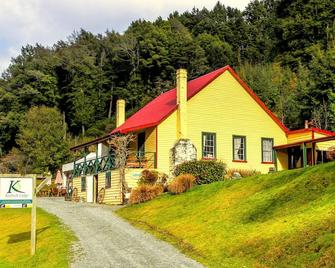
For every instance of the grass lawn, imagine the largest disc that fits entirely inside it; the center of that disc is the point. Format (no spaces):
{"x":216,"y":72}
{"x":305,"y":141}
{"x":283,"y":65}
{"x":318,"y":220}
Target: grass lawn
{"x":286,"y":219}
{"x":53,"y":240}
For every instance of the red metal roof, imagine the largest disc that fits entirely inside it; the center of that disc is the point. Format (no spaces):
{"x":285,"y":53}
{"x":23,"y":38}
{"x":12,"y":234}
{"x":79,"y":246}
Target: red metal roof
{"x":162,"y":106}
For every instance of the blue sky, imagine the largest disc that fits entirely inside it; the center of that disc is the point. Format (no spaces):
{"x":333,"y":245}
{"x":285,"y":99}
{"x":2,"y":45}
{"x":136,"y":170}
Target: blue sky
{"x":47,"y":21}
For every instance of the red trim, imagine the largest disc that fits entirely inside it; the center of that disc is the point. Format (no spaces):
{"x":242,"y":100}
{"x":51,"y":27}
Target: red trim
{"x":208,"y":158}
{"x":124,"y":131}
{"x":299,"y":131}
{"x":240,"y":161}
{"x":322,"y":131}
{"x":312,"y":134}
{"x":268,"y":163}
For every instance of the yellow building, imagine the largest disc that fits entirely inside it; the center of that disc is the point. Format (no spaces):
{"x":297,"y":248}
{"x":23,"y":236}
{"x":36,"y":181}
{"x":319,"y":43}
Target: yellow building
{"x":222,"y":119}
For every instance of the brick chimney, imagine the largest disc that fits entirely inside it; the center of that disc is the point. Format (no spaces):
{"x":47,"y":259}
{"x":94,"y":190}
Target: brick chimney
{"x":182,"y":104}
{"x":120,"y":112}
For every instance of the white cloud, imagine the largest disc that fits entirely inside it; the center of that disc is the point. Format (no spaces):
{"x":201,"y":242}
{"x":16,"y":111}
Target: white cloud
{"x":47,"y":21}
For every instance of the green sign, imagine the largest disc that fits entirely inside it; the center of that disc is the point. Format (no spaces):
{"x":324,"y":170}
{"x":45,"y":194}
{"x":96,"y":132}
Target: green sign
{"x":16,"y":192}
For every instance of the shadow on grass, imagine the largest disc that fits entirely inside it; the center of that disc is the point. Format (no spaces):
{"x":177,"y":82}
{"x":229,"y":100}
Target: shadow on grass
{"x":15,"y":238}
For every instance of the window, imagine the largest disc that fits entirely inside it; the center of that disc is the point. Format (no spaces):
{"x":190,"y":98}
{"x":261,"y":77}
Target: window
{"x":208,"y":145}
{"x":83,"y":184}
{"x":239,"y":148}
{"x":267,"y":150}
{"x":108,"y":180}
{"x":141,"y":144}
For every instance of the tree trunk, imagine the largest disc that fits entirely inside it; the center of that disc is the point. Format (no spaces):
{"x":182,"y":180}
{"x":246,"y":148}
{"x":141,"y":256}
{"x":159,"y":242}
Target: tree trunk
{"x":110,"y":107}
{"x":111,"y":103}
{"x":83,"y":130}
{"x":64,"y":126}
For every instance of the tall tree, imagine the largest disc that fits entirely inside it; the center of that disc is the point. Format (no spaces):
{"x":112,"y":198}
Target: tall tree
{"x":302,"y":25}
{"x":41,"y":139}
{"x":322,"y":92}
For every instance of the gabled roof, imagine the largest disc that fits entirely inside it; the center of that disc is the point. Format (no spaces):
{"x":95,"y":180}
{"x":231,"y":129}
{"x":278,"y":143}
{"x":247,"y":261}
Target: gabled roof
{"x":162,"y":106}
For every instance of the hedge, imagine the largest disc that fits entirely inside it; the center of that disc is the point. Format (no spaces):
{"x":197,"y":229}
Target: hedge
{"x":205,"y":171}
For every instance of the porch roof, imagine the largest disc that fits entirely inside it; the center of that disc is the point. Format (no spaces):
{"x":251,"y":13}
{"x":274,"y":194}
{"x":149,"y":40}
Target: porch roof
{"x":290,"y":145}
{"x":312,"y":129}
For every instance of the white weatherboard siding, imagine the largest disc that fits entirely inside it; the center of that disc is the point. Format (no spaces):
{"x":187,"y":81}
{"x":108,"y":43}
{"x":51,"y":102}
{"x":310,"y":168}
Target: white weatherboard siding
{"x":90,"y":188}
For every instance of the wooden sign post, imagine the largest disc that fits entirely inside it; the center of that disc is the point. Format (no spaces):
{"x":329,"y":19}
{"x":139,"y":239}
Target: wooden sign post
{"x":33,"y":221}
{"x":33,"y":211}
{"x":17,"y":191}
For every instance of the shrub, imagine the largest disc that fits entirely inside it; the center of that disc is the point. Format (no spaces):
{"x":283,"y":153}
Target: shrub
{"x":157,"y":189}
{"x":205,"y":171}
{"x":242,"y":172}
{"x":144,"y":192}
{"x":181,"y":184}
{"x":148,"y":177}
{"x":162,"y":178}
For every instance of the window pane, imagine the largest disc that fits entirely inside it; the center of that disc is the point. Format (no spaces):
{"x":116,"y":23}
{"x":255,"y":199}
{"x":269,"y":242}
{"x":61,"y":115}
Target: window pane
{"x":108,"y":180}
{"x":83,"y":184}
{"x":239,"y":148}
{"x":208,"y":145}
{"x":267,"y":150}
{"x":267,"y":157}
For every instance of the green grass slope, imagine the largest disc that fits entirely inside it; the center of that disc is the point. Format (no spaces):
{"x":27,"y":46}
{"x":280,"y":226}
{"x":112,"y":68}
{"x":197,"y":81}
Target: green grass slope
{"x":286,"y":219}
{"x":54,"y":240}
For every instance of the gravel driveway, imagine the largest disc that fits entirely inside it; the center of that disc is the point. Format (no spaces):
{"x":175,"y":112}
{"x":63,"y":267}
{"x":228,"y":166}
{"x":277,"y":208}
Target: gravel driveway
{"x":105,"y":240}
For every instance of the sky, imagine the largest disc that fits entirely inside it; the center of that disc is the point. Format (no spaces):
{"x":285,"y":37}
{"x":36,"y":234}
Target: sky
{"x":45,"y":22}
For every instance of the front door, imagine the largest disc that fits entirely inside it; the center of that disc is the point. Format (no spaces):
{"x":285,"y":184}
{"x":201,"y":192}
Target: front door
{"x":96,"y":182}
{"x":90,"y":188}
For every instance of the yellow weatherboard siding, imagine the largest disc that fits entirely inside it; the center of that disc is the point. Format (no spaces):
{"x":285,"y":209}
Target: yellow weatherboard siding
{"x":166,"y":138}
{"x":112,"y":194}
{"x":282,"y":160}
{"x":324,"y":146}
{"x":226,"y":109}
{"x":77,"y":184}
{"x":150,"y":140}
{"x":319,"y":135}
{"x":296,"y":137}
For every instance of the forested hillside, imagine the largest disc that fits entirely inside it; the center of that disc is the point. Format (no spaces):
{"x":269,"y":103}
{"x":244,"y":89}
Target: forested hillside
{"x":284,"y":50}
